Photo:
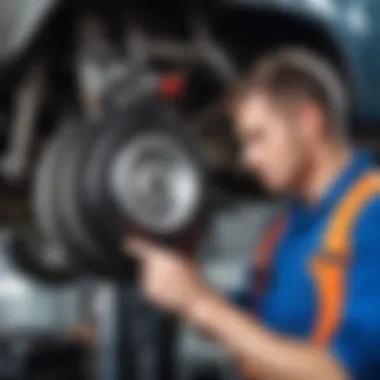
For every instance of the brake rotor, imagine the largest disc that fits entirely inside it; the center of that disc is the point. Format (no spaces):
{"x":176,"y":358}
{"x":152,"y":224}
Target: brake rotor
{"x":153,"y":181}
{"x":137,"y":173}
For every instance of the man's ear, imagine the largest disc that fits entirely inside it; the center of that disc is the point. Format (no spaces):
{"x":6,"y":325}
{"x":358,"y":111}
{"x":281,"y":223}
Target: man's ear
{"x":311,"y":118}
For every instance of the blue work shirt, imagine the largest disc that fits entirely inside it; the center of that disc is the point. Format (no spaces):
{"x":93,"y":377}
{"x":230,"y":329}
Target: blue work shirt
{"x":289,"y":305}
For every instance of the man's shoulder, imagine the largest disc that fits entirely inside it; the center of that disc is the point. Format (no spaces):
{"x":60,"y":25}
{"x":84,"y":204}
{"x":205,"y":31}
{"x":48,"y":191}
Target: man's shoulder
{"x":366,"y":227}
{"x":359,"y":208}
{"x":370,"y":208}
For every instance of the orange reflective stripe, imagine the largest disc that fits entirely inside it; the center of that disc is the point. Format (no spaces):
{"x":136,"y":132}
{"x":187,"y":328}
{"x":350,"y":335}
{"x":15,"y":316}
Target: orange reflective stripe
{"x":268,"y":241}
{"x":330,"y":284}
{"x":264,"y":254}
{"x":329,"y":267}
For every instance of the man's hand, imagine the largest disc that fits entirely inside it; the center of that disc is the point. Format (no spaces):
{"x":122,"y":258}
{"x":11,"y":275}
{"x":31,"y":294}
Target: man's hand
{"x":172,"y":282}
{"x":168,"y":279}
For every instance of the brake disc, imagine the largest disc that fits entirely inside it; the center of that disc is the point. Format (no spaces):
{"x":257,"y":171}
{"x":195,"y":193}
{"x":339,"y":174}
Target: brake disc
{"x":152,"y":179}
{"x":142,"y":175}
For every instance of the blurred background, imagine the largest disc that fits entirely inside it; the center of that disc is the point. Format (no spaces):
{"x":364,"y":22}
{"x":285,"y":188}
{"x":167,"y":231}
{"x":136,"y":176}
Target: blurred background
{"x":65,"y":64}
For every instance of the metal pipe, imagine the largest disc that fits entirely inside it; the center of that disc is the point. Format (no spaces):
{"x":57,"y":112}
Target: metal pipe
{"x":14,"y":163}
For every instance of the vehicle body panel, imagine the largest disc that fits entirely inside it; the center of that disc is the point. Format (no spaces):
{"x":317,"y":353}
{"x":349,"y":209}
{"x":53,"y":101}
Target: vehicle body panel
{"x":21,"y":20}
{"x":354,"y":28}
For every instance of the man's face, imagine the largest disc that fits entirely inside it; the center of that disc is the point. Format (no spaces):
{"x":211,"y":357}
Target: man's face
{"x":273,"y":146}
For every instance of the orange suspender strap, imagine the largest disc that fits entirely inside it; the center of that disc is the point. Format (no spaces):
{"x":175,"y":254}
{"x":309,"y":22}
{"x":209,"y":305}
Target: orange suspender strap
{"x":263,"y":258}
{"x":329,"y":267}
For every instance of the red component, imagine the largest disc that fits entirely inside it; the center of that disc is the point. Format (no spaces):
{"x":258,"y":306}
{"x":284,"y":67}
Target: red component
{"x":171,"y":86}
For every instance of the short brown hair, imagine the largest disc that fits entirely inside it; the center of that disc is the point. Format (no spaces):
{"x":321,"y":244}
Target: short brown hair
{"x":297,"y":74}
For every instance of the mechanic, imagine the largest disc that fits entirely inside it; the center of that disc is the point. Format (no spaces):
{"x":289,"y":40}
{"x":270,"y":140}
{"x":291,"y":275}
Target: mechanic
{"x":314,"y":309}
